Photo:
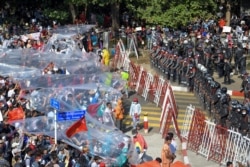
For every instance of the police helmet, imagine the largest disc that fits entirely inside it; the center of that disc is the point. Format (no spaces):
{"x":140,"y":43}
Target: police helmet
{"x":218,"y":93}
{"x":234,"y":102}
{"x":244,"y":110}
{"x":199,"y":66}
{"x":224,"y":90}
{"x":248,"y":79}
{"x":239,"y":107}
{"x":209,"y":79}
{"x":217,"y":84}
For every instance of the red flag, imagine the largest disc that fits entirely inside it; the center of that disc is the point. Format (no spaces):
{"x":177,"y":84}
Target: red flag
{"x":16,"y":114}
{"x":77,"y":127}
{"x":93,"y":109}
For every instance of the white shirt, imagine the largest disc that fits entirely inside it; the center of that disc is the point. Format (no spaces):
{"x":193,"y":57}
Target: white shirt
{"x":11,"y":92}
{"x":135,"y":108}
{"x":94,"y":164}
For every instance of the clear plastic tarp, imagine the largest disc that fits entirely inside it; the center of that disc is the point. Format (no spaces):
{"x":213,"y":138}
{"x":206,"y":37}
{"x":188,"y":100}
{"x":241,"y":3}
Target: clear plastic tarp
{"x":84,"y":80}
{"x":73,"y":29}
{"x":61,"y":44}
{"x":76,"y":81}
{"x":70,"y":97}
{"x":104,"y":141}
{"x":18,"y":71}
{"x":50,"y":63}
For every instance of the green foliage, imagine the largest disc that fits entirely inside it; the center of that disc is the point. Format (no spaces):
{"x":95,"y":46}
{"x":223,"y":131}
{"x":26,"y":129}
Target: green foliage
{"x":173,"y":13}
{"x":59,"y":15}
{"x":77,"y":2}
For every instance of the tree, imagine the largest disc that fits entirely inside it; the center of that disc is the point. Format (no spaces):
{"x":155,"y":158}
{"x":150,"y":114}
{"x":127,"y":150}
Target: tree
{"x":173,"y":13}
{"x":114,"y":10}
{"x":72,"y":6}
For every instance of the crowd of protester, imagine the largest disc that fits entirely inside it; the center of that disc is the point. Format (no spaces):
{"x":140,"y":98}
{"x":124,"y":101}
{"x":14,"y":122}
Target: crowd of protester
{"x":20,"y":148}
{"x":176,"y":53}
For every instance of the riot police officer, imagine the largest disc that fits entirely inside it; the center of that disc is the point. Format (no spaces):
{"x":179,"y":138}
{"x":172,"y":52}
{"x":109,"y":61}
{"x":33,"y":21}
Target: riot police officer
{"x":220,"y":63}
{"x":239,"y":57}
{"x":233,"y":120}
{"x":227,"y":71}
{"x":190,"y":75}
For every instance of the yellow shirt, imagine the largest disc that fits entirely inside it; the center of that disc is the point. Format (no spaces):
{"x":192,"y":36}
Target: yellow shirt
{"x":106,"y":57}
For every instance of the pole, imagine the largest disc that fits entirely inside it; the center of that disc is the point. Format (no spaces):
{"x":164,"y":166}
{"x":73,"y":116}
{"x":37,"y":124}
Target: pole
{"x":145,"y":123}
{"x":55,"y":126}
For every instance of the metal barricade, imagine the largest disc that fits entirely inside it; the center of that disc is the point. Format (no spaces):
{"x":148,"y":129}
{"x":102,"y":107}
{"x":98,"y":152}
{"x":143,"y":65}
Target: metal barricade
{"x":237,"y":148}
{"x":172,"y":101}
{"x":152,"y":89}
{"x":140,"y":85}
{"x":187,"y":121}
{"x":126,"y":64}
{"x":163,"y":92}
{"x":197,"y":129}
{"x":165,"y":119}
{"x":158,"y":91}
{"x":149,"y":79}
{"x":207,"y":139}
{"x":218,"y":143}
{"x":134,"y":73}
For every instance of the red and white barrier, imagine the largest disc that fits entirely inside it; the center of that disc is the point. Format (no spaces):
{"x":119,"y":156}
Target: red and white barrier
{"x":141,"y":82}
{"x":149,"y":80}
{"x":158,"y":91}
{"x":134,"y":72}
{"x":214,"y":142}
{"x":145,"y":123}
{"x":187,"y":121}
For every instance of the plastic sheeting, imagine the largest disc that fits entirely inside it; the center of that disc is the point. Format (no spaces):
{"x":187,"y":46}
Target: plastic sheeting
{"x":70,"y":98}
{"x":73,"y":29}
{"x":82,"y":82}
{"x":74,"y":62}
{"x":104,"y":141}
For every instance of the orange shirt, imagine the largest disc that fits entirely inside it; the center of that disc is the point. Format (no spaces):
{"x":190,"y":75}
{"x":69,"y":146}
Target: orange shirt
{"x":222,"y":23}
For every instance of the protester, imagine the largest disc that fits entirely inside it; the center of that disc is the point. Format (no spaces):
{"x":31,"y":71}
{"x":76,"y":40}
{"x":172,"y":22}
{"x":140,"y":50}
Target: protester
{"x":119,"y":114}
{"x":166,"y":154}
{"x":108,"y":115}
{"x":3,"y":161}
{"x":229,"y":164}
{"x":125,"y":77}
{"x":173,"y":144}
{"x":105,"y":56}
{"x":140,"y":144}
{"x":135,"y":112}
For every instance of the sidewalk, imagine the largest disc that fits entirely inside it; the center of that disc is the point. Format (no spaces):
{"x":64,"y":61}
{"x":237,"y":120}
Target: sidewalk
{"x":155,"y":143}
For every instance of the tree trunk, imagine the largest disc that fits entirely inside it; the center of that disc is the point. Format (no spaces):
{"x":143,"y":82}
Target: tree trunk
{"x":72,"y":11}
{"x":228,"y":13}
{"x":115,"y":15}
